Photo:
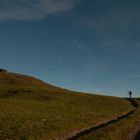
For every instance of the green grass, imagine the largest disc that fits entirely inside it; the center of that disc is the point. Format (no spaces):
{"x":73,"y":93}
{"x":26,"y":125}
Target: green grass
{"x":121,"y":130}
{"x":33,"y":110}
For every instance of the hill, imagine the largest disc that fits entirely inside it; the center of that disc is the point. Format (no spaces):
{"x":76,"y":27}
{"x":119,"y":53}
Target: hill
{"x":124,"y":129}
{"x":12,"y":84}
{"x":31,"y":109}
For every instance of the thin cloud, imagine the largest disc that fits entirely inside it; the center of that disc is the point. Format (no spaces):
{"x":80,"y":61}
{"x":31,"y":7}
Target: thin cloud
{"x":33,"y":9}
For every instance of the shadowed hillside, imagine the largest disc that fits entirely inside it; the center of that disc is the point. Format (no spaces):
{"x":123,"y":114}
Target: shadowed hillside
{"x":12,"y":84}
{"x":31,"y":109}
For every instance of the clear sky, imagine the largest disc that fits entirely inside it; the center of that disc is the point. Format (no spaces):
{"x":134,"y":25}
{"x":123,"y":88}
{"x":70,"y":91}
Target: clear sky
{"x":84,"y":45}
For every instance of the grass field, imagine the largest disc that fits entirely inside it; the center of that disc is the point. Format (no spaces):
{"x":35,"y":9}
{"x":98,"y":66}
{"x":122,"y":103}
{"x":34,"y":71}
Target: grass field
{"x":33,"y":110}
{"x":121,"y":130}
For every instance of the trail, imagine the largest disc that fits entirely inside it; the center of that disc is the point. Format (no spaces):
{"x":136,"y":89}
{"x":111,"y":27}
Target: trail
{"x":137,"y":131}
{"x":105,"y":123}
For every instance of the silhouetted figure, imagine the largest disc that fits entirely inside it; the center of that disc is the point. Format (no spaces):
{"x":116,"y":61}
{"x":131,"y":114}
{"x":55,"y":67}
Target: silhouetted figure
{"x":130,"y":94}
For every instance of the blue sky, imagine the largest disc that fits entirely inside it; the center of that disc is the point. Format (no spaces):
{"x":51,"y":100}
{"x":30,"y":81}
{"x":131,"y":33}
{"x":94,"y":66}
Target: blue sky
{"x":84,"y":45}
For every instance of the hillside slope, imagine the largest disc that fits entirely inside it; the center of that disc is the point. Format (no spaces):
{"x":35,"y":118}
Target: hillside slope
{"x":30,"y":109}
{"x":14,"y":84}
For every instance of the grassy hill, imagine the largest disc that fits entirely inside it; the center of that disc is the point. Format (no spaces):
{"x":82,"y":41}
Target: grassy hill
{"x":124,"y":129}
{"x":31,"y":109}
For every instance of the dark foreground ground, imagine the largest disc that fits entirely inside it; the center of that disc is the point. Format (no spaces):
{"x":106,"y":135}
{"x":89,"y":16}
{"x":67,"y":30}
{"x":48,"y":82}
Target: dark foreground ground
{"x":137,"y":136}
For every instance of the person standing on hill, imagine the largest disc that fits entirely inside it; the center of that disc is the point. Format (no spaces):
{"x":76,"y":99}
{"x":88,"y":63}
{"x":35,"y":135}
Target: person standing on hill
{"x":130,"y":94}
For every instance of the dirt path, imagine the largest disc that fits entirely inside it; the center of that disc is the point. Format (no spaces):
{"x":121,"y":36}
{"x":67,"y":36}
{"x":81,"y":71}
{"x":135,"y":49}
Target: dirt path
{"x":137,"y":131}
{"x":91,"y":129}
{"x":136,"y":135}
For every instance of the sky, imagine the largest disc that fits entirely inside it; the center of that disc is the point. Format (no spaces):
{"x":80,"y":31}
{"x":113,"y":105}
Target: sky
{"x":83,"y":45}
